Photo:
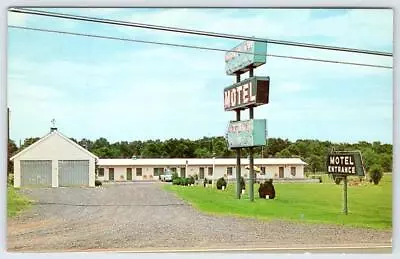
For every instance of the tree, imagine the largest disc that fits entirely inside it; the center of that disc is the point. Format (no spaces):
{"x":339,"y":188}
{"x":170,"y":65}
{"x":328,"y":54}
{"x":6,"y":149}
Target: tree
{"x":370,"y":158}
{"x":202,"y":153}
{"x":276,"y":145}
{"x":86,"y":143}
{"x":136,"y":147}
{"x":386,"y":162}
{"x":284,"y":153}
{"x":314,"y":163}
{"x":101,"y":142}
{"x":12,"y":150}
{"x":28,"y":142}
{"x":153,"y":149}
{"x":376,"y":173}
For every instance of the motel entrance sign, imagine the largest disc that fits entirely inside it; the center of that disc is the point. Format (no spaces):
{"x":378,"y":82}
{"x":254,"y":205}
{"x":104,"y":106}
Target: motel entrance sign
{"x":343,"y":164}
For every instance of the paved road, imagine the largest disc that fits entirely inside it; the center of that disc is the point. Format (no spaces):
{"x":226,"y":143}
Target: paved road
{"x":142,"y":216}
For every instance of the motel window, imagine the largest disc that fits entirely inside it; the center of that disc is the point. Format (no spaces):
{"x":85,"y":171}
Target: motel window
{"x":101,"y":172}
{"x":138,"y":171}
{"x":229,"y":171}
{"x":262,"y":169}
{"x":173,"y":169}
{"x":210,"y":171}
{"x":293,"y":170}
{"x":158,"y":171}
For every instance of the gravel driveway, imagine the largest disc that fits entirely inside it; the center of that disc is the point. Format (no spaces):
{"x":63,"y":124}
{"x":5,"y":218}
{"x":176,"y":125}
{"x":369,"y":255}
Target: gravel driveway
{"x":137,"y":216}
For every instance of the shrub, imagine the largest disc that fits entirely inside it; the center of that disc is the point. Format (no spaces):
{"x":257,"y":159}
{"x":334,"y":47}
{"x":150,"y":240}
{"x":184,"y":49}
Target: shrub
{"x":242,"y":183}
{"x":196,"y":177}
{"x":375,"y":173}
{"x":177,"y":181}
{"x":191,"y":180}
{"x":175,"y":176}
{"x":184,"y":181}
{"x":266,"y":188}
{"x":98,"y":183}
{"x":221,"y":182}
{"x":317,"y":177}
{"x":337,"y":179}
{"x":10,"y":180}
{"x":207,"y":181}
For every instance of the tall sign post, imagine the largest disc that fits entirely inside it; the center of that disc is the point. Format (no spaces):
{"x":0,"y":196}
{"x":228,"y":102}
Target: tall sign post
{"x":238,"y":152}
{"x":343,"y":164}
{"x":248,"y":93}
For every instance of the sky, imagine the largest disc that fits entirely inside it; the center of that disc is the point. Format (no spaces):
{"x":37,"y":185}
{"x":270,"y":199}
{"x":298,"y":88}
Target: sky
{"x":126,"y":91}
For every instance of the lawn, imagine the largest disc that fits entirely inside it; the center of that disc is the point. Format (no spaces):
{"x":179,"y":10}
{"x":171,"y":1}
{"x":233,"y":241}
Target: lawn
{"x":15,"y":202}
{"x":370,"y":206}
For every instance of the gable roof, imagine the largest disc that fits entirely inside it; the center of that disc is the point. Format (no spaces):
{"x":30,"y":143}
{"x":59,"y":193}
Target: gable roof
{"x":55,"y":132}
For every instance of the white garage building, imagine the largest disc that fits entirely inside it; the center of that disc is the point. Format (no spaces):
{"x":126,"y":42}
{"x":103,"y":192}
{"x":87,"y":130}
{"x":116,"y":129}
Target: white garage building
{"x":54,"y":161}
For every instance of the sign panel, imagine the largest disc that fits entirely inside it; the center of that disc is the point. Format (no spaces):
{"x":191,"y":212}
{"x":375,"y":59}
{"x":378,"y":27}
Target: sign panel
{"x":253,"y":91}
{"x":248,"y":133}
{"x":345,"y":163}
{"x":237,"y":62}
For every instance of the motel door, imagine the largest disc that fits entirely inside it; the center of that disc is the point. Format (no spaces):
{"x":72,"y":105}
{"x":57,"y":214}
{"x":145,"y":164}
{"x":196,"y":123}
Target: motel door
{"x":183,"y":172}
{"x":111,"y":174}
{"x":129,"y":174}
{"x":281,"y":174}
{"x":201,"y":176}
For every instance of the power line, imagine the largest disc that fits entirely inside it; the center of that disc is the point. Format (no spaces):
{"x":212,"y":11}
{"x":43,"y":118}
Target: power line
{"x":195,"y":32}
{"x":194,"y":47}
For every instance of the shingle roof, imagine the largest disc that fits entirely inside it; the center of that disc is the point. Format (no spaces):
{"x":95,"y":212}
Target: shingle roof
{"x":197,"y":161}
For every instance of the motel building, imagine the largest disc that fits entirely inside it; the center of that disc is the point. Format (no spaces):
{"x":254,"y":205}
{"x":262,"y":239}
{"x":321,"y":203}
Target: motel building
{"x":210,"y":168}
{"x":56,"y":161}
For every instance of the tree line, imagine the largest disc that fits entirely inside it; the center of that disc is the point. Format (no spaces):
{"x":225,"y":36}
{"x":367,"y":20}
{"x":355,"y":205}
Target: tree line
{"x":313,"y":152}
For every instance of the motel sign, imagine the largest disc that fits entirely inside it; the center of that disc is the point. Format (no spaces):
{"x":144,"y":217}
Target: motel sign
{"x":253,"y":91}
{"x":342,"y":164}
{"x":345,"y":163}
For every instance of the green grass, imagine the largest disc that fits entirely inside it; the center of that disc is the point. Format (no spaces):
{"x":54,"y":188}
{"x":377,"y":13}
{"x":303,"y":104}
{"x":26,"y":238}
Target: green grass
{"x":16,"y":202}
{"x":370,"y":206}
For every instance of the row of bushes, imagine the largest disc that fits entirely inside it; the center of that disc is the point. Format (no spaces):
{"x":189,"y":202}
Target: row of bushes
{"x":183,"y":180}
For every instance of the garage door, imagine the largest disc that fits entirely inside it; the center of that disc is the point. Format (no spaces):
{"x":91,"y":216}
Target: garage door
{"x":36,"y":172}
{"x":73,"y":172}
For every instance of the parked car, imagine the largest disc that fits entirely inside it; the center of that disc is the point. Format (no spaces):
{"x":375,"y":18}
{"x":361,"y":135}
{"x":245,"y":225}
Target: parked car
{"x":166,"y":177}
